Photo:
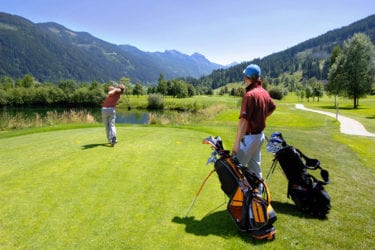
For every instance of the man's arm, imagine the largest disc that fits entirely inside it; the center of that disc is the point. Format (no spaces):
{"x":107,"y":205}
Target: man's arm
{"x":241,"y":130}
{"x":114,"y":90}
{"x":271,"y":106}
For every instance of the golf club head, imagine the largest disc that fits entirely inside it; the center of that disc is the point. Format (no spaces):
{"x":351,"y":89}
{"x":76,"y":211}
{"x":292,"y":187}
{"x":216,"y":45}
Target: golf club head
{"x":212,"y":158}
{"x":274,"y":145}
{"x":325,"y":175}
{"x":279,"y":136}
{"x":210,"y":140}
{"x":219,"y":143}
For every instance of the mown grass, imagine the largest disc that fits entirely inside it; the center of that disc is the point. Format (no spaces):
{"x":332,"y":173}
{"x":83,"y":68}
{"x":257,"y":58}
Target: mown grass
{"x":67,"y":189}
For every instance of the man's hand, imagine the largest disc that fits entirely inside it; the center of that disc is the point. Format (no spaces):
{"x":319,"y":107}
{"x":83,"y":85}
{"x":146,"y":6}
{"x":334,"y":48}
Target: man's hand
{"x":242,"y":125}
{"x":235,"y":149}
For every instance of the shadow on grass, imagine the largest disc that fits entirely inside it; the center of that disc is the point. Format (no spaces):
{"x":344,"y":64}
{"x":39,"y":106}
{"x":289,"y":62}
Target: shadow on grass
{"x":333,"y":108}
{"x":218,"y":223}
{"x":88,"y":146}
{"x":291,"y":209}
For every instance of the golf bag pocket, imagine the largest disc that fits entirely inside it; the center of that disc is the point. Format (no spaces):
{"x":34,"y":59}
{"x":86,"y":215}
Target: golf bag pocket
{"x":314,"y":200}
{"x":301,"y":196}
{"x":236,"y":209}
{"x":321,"y":201}
{"x":261,"y":213}
{"x":258,"y":216}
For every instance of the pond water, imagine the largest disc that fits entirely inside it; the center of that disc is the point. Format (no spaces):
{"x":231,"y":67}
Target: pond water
{"x":122,"y":115}
{"x":132,"y":116}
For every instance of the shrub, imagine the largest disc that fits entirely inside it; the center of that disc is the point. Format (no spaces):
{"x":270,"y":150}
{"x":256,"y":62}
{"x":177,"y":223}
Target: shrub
{"x":155,"y":101}
{"x":276,"y":93}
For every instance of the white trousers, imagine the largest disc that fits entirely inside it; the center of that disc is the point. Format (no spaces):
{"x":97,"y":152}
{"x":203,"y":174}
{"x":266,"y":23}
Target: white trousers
{"x":109,"y":117}
{"x":250,"y":152}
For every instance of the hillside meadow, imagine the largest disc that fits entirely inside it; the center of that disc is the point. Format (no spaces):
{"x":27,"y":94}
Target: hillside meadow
{"x":62,"y":187}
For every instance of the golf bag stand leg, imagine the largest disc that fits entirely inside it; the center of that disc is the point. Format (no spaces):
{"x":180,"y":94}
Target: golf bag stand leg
{"x":198,"y":192}
{"x":272,"y":169}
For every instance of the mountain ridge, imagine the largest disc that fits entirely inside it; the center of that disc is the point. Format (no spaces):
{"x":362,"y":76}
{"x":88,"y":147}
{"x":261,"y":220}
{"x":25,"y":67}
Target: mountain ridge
{"x":50,"y":52}
{"x":311,"y":57}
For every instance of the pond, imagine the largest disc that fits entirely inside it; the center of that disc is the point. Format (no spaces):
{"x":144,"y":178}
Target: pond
{"x":132,"y":116}
{"x":122,"y":115}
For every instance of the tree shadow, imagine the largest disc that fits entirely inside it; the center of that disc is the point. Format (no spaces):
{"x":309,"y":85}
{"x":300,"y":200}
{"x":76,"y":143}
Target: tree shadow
{"x":218,"y":223}
{"x":89,"y":146}
{"x":333,"y":108}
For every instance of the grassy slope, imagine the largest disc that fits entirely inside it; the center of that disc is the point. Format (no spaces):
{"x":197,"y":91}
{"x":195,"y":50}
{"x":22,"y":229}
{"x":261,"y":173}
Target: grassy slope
{"x":65,"y":189}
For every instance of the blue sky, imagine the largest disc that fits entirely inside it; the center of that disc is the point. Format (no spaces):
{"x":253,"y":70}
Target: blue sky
{"x":223,"y":31}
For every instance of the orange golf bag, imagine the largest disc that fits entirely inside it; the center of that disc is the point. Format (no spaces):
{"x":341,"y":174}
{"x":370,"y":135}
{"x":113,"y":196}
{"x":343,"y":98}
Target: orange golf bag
{"x":249,"y":198}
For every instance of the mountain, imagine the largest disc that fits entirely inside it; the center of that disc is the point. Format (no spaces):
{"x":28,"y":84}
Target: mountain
{"x":51,"y":52}
{"x":312,"y":57}
{"x":174,"y":64}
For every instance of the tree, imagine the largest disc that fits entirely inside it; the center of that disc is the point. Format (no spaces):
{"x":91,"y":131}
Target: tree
{"x":162,"y":85}
{"x":3,"y":97}
{"x":127,"y":84}
{"x":316,"y":88}
{"x":28,"y":81}
{"x":354,"y":67}
{"x":300,"y":91}
{"x":68,"y":86}
{"x":334,"y":77}
{"x":308,"y":92}
{"x":191,"y":90}
{"x":181,"y":89}
{"x":138,"y":89}
{"x":6,"y":82}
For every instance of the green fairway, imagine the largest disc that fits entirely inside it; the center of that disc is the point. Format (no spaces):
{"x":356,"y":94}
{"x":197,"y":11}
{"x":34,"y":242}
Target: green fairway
{"x":67,"y":189}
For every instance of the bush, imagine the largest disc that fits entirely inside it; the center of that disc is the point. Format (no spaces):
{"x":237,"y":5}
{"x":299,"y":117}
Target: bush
{"x":276,"y":93}
{"x":155,"y":101}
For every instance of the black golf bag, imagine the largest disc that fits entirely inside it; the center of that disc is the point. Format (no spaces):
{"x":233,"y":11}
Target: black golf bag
{"x":306,"y":191}
{"x":249,"y":207}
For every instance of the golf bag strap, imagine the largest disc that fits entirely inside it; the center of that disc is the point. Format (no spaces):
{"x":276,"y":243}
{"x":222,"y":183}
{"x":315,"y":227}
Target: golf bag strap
{"x":268,"y":196}
{"x":241,"y":180}
{"x":310,"y":163}
{"x":314,"y":164}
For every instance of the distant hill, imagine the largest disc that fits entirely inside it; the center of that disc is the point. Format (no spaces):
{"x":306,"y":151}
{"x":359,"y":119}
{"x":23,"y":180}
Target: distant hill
{"x":312,"y":57}
{"x":51,"y":52}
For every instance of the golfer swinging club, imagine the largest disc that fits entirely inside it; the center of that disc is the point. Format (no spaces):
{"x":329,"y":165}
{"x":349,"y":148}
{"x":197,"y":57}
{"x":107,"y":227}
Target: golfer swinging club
{"x":109,"y":113}
{"x":256,"y":106}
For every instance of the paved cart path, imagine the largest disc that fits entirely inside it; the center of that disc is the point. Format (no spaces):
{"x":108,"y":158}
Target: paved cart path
{"x":347,"y":125}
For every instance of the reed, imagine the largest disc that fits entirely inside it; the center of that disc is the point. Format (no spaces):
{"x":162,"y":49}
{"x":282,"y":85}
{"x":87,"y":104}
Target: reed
{"x":186,"y":117}
{"x":51,"y":118}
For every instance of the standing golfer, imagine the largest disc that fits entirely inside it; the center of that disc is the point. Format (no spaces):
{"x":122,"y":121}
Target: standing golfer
{"x":256,"y":106}
{"x":109,"y":113}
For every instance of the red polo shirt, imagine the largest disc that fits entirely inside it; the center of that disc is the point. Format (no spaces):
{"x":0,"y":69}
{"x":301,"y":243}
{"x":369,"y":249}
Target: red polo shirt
{"x":256,"y":106}
{"x":111,"y":100}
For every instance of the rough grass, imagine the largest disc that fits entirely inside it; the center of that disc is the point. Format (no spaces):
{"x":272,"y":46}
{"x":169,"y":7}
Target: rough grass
{"x":18,"y":121}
